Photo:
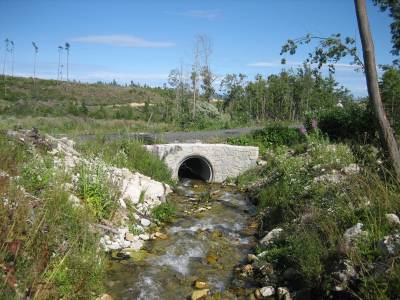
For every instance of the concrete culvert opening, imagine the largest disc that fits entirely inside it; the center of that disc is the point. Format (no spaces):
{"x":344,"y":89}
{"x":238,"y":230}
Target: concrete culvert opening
{"x":195,"y":167}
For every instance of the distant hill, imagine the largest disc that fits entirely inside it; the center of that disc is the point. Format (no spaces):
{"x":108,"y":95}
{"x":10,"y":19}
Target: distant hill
{"x":52,"y":91}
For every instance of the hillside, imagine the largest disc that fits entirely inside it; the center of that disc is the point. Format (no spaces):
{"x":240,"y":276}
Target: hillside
{"x":93,"y":94}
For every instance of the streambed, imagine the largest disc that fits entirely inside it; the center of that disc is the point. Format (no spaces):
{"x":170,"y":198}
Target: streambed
{"x":208,"y":238}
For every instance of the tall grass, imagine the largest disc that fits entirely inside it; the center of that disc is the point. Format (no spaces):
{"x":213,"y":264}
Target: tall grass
{"x":47,"y":250}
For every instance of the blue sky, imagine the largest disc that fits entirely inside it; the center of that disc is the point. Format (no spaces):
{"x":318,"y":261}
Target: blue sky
{"x":143,"y":40}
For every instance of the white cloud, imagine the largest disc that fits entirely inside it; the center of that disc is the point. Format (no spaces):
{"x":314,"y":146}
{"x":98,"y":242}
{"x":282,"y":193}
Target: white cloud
{"x":121,"y":41}
{"x":200,"y":14}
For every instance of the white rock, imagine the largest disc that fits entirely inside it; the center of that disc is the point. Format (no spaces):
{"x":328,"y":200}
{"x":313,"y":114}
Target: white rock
{"x":114,"y":246}
{"x":144,"y":236}
{"x":393,"y":219}
{"x":353,"y":233}
{"x":137,"y":245}
{"x":123,"y":230}
{"x":390,"y":244}
{"x":271,"y":236}
{"x":283,"y":293}
{"x":267,"y":291}
{"x":125,"y":244}
{"x":351,"y":169}
{"x":145,"y":222}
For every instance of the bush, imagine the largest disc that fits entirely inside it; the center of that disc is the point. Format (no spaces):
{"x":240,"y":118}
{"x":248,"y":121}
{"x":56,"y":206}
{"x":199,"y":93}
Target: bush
{"x":354,"y":122}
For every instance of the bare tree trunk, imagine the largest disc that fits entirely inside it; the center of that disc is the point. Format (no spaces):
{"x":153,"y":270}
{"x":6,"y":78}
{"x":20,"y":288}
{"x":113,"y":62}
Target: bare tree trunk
{"x":67,"y":65}
{"x":386,"y":133}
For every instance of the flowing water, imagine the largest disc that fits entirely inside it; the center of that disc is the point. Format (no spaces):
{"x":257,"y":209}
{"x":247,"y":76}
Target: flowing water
{"x":207,"y":239}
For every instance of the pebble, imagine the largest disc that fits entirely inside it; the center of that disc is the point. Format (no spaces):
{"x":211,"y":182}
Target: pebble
{"x":129,"y":237}
{"x":144,"y":236}
{"x":145,"y":222}
{"x":200,"y":294}
{"x":267,"y":291}
{"x":198,"y":284}
{"x":160,"y":235}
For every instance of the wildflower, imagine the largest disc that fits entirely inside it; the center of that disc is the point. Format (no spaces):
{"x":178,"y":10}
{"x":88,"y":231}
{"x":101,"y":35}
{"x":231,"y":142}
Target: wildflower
{"x":303,"y":130}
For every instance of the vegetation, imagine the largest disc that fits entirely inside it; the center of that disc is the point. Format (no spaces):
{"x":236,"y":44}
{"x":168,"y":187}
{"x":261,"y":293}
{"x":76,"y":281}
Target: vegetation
{"x":47,"y":249}
{"x":315,"y":191}
{"x":130,"y":154}
{"x":164,"y":212}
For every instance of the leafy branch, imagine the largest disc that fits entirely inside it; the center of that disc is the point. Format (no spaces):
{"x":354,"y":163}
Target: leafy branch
{"x":329,"y":50}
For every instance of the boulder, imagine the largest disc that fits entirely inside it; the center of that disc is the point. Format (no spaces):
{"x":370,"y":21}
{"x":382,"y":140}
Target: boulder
{"x":393,"y":220}
{"x":267,"y":291}
{"x":271,"y":236}
{"x":352,"y":234}
{"x":390,"y":244}
{"x":283,"y":293}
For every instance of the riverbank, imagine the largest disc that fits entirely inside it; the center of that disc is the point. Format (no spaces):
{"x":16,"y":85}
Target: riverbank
{"x":330,"y":225}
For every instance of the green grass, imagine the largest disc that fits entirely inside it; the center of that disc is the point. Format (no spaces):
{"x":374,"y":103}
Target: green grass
{"x":46,"y":245}
{"x":314,"y":216}
{"x":164,"y":212}
{"x":95,"y":188}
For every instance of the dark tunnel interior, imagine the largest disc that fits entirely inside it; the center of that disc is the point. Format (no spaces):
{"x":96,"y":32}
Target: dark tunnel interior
{"x":195,"y":167}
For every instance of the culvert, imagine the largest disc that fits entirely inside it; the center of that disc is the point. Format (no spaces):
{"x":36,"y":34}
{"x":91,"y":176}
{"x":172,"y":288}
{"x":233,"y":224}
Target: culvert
{"x":195,"y":167}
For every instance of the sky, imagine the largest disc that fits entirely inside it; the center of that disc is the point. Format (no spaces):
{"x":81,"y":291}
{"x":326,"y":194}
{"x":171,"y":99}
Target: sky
{"x":143,"y":40}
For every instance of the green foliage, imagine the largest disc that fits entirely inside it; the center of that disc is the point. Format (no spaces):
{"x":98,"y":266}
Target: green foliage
{"x":307,"y":194}
{"x":390,"y":89}
{"x":46,"y":246}
{"x":95,"y":188}
{"x":271,"y":136}
{"x":352,"y":122}
{"x":37,"y":173}
{"x":164,"y":212}
{"x":277,"y":135}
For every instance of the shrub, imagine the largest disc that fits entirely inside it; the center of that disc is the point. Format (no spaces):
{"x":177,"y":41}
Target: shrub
{"x":279,"y":135}
{"x":354,"y":121}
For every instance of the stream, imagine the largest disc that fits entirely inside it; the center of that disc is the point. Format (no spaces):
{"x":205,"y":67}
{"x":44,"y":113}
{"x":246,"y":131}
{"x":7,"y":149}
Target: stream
{"x":213,"y":232}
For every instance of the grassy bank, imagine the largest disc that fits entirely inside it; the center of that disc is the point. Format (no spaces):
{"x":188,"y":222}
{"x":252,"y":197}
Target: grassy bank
{"x":316,"y":191}
{"x":48,"y":246}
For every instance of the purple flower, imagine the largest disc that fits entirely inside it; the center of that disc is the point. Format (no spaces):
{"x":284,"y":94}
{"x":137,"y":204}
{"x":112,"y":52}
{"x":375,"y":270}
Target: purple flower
{"x":302,"y":130}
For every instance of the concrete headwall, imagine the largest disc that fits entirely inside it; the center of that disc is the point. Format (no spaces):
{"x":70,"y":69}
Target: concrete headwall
{"x":225,"y":160}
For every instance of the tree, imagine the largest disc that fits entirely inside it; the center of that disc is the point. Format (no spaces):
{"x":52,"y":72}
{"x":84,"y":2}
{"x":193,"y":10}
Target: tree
{"x":207,"y":85}
{"x":371,"y":75}
{"x":390,"y":90}
{"x":35,"y":52}
{"x":332,"y":49}
{"x":394,"y":11}
{"x":12,"y":48}
{"x":67,"y":47}
{"x":60,"y":49}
